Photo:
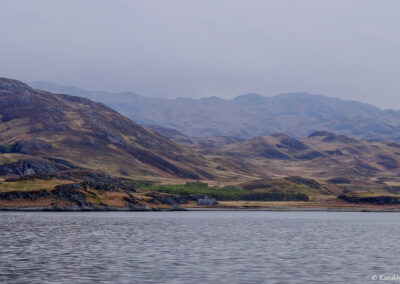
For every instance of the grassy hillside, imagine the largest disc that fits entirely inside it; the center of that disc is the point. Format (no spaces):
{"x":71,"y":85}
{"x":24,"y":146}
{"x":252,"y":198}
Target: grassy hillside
{"x":74,"y":130}
{"x":322,"y":155}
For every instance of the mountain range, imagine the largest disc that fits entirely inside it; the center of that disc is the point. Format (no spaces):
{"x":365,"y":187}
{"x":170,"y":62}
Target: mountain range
{"x":66,"y":152}
{"x":249,"y":115}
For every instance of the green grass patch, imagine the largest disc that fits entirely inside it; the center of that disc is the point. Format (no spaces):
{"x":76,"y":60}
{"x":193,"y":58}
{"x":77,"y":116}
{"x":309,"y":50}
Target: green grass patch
{"x":29,"y":185}
{"x":227,"y":193}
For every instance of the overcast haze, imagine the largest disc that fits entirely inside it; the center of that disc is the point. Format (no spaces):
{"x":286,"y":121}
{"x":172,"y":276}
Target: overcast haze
{"x":346,"y":49}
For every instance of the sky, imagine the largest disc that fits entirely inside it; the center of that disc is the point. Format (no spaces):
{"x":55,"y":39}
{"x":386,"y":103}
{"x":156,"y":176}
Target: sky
{"x":199,"y":48}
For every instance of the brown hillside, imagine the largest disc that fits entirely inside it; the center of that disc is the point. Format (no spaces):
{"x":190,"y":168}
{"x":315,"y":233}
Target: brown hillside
{"x":75,"y":130}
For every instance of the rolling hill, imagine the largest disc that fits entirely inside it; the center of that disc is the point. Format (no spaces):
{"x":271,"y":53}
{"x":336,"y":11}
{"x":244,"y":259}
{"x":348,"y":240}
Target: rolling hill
{"x":322,"y":155}
{"x":250,"y":115}
{"x":53,"y":130}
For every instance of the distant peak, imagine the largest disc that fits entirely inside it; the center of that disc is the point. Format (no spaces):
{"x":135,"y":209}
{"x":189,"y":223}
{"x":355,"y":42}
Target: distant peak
{"x":321,"y":133}
{"x":279,"y":135}
{"x":298,"y":94}
{"x":213,"y":98}
{"x":250,"y":97}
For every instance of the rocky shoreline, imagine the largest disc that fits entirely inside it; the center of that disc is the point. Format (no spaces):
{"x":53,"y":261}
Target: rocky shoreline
{"x":194,"y":209}
{"x":87,"y":209}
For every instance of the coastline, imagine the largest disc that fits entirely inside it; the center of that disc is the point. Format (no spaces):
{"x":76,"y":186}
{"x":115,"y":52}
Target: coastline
{"x":195,"y":209}
{"x":141,"y":203}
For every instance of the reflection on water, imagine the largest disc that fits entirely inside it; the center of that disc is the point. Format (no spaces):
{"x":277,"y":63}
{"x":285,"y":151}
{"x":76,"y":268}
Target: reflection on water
{"x":198,"y":247}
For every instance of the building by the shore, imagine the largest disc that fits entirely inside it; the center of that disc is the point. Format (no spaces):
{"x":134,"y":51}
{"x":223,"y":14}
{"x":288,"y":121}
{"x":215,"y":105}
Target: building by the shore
{"x":206,"y":201}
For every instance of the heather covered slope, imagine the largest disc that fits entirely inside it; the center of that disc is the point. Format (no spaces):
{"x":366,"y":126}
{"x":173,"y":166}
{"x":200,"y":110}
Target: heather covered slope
{"x":86,"y":134}
{"x":322,"y":155}
{"x":199,"y":144}
{"x":251,"y":115}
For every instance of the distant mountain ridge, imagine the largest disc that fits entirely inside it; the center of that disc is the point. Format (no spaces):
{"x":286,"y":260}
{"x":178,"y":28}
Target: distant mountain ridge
{"x":250,"y":115}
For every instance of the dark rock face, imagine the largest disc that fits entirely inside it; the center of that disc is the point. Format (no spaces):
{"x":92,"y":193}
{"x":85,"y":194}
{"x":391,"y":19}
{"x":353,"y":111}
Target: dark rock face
{"x":97,"y":180}
{"x":173,"y":201}
{"x":31,"y":195}
{"x":135,"y":205}
{"x":69,"y":192}
{"x":380,"y":200}
{"x":101,"y":181}
{"x":29,"y":167}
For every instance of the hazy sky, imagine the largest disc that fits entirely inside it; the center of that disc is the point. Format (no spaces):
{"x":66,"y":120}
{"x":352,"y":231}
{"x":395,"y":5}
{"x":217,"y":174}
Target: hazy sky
{"x":169,"y":48}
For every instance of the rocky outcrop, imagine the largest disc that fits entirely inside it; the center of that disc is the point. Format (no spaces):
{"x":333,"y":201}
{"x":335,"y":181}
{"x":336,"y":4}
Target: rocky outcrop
{"x":170,"y":200}
{"x":380,"y":200}
{"x":30,"y":195}
{"x":101,"y":181}
{"x":71,"y":193}
{"x":134,"y":205}
{"x":88,"y":192}
{"x":32,"y":166}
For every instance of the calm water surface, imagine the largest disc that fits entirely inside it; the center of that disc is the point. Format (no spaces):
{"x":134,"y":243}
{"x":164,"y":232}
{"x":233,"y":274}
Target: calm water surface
{"x":199,"y":247}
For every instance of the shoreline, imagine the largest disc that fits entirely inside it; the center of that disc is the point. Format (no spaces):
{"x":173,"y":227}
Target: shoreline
{"x":296,"y":209}
{"x":197,"y":209}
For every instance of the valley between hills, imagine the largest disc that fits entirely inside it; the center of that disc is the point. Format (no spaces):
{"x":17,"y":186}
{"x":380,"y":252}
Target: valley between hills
{"x":65,"y":152}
